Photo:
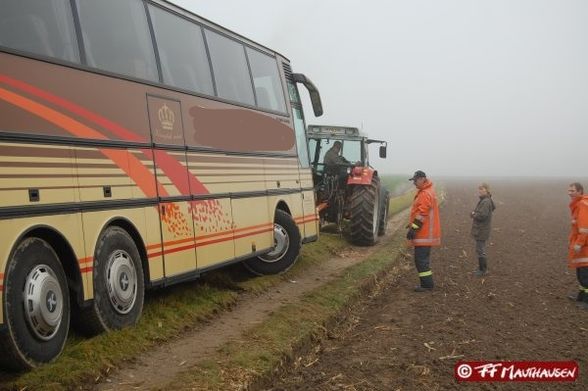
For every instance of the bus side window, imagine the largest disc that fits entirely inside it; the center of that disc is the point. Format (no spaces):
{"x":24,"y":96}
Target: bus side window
{"x":117,"y":38}
{"x":231,"y":73}
{"x":266,"y":79}
{"x":263,"y":97}
{"x":44,"y":28}
{"x":182,"y":53}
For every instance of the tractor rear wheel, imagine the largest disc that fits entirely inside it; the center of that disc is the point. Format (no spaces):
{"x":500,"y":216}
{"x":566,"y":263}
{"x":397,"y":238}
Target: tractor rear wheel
{"x":365,"y":213}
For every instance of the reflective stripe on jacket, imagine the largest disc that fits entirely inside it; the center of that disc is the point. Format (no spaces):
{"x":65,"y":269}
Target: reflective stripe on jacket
{"x":579,"y":233}
{"x":426,"y":209}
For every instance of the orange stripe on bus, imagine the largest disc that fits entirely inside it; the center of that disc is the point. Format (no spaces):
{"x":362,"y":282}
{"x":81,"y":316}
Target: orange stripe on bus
{"x":86,"y":269}
{"x":235,"y":237}
{"x":177,"y":249}
{"x":127,"y":162}
{"x":198,"y":238}
{"x":254,"y":233}
{"x":137,"y":171}
{"x":170,"y":243}
{"x":299,"y":220}
{"x":167,"y":163}
{"x":252,"y":227}
{"x":85,"y":260}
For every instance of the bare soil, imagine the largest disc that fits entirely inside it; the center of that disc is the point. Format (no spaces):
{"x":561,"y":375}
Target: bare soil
{"x":403,"y":340}
{"x":157,"y":368}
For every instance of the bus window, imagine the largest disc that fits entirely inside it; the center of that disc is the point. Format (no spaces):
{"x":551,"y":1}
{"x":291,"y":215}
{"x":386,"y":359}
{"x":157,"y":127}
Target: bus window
{"x":39,"y":27}
{"x":116,"y":37}
{"x":266,"y":80}
{"x":184,"y":62}
{"x":301,"y":144}
{"x":231,"y":73}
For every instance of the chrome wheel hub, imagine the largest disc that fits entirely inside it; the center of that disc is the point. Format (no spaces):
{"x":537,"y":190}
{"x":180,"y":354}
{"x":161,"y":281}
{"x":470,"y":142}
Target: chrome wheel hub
{"x":281,"y":245}
{"x":43,"y":302}
{"x":121,"y":281}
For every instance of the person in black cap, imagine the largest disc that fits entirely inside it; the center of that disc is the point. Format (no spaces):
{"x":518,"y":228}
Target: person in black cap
{"x":424,"y":228}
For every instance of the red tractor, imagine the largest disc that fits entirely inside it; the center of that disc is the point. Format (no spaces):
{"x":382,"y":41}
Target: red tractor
{"x":350,"y":189}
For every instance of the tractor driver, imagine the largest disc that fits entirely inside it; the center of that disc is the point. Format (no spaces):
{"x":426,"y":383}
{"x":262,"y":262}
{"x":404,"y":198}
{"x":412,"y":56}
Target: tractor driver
{"x":333,"y":160}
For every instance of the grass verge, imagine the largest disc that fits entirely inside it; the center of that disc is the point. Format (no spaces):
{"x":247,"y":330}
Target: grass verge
{"x":264,"y":349}
{"x":167,"y":314}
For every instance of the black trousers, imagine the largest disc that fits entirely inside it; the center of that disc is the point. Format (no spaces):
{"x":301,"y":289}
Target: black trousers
{"x":582,"y":274}
{"x":481,"y":248}
{"x":422,"y":261}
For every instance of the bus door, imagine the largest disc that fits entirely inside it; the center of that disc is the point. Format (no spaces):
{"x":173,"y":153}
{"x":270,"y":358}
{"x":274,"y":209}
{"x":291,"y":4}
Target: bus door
{"x":175,"y":213}
{"x":309,"y":223}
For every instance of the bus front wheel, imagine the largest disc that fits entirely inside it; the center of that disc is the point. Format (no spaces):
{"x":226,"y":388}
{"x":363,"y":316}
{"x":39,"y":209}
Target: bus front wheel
{"x":285,"y":251}
{"x":118,"y":284}
{"x":36,"y":306}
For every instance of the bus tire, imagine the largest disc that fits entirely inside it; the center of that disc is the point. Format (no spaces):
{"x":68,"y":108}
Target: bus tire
{"x":287,"y":242}
{"x":118,"y":284}
{"x":36,"y":307}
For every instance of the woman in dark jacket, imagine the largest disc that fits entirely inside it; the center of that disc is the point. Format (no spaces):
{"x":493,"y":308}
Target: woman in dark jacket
{"x":481,"y":226}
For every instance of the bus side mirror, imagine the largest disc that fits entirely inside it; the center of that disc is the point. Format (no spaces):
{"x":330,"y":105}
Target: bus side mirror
{"x":383,"y":151}
{"x":315,"y":97}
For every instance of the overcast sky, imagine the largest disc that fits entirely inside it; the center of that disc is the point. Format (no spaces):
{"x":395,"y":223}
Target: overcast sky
{"x":457,"y":87}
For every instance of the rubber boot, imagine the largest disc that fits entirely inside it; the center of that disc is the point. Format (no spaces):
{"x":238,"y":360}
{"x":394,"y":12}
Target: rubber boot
{"x":482,"y":267}
{"x":575,"y":296}
{"x":426,"y":284}
{"x":582,"y":300}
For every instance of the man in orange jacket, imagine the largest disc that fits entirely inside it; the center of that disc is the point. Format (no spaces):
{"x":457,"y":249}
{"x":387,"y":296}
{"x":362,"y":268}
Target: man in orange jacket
{"x":578,"y":244}
{"x":424,"y":228}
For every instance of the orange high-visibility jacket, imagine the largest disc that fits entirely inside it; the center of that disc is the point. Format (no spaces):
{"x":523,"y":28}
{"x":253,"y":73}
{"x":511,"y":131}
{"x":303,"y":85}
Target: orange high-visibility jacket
{"x":579,"y":233}
{"x":425,"y":208}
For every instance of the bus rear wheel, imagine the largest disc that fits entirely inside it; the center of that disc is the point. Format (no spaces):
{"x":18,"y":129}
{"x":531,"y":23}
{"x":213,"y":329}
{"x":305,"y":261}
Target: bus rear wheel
{"x":36,"y":306}
{"x":286,"y":248}
{"x":118,"y":284}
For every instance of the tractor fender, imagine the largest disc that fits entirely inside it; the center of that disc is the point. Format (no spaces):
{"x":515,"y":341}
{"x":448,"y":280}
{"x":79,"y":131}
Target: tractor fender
{"x":361,"y":176}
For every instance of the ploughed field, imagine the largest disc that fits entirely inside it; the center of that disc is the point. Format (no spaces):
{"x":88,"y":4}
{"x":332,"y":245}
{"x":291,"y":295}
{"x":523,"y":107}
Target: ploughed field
{"x":402,"y":340}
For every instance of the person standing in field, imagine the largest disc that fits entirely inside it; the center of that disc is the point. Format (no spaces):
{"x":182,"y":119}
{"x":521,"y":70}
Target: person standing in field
{"x":482,"y":225}
{"x":424,"y":229}
{"x":578,"y":241}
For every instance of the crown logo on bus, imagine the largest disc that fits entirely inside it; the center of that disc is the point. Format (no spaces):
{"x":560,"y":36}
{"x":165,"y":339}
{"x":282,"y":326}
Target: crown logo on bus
{"x":166,"y":117}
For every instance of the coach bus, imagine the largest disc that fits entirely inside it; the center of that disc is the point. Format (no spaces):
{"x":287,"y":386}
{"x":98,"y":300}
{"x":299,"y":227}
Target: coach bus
{"x":140,"y":146}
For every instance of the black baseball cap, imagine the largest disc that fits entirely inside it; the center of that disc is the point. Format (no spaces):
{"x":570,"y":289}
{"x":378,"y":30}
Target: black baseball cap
{"x":418,"y":174}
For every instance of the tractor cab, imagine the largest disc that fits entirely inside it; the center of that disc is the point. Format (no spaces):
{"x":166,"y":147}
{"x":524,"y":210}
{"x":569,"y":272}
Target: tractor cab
{"x":339,"y":157}
{"x":354,"y":150}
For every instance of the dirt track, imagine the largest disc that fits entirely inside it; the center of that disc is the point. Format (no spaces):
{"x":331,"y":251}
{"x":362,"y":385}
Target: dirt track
{"x":401,"y":340}
{"x":147,"y":371}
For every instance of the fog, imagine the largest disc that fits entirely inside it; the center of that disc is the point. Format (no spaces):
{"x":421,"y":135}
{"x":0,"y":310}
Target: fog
{"x":458,"y":87}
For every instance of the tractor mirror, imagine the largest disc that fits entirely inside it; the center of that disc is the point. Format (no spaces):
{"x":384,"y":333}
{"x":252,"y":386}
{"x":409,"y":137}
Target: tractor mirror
{"x":383,"y":151}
